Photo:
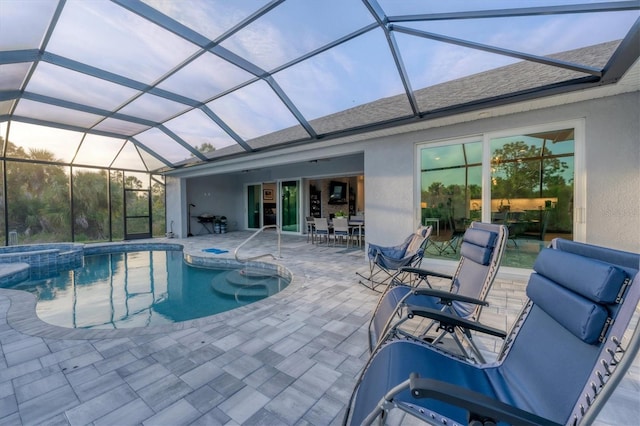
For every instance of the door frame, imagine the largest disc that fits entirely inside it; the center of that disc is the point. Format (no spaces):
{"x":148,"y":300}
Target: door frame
{"x":148,"y":216}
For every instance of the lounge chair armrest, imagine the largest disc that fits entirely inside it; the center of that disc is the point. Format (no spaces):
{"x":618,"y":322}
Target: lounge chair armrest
{"x":479,"y":406}
{"x":447,"y":320}
{"x":425,"y":273}
{"x":447,"y":297}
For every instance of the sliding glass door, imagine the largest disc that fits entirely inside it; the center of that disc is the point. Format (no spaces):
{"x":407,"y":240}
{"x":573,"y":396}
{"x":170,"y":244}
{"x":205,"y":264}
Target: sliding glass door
{"x":290,"y":206}
{"x":451,"y":185}
{"x":532,"y":178}
{"x":254,"y":196}
{"x":524,"y":179}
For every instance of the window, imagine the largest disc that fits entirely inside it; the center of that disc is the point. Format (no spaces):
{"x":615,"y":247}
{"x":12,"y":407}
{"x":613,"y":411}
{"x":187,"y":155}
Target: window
{"x":530,"y":187}
{"x":534,"y":173}
{"x":451,"y":176}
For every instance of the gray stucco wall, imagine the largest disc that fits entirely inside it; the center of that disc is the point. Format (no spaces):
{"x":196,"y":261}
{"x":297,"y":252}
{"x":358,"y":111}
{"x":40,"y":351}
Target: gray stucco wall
{"x":176,"y":200}
{"x":613,"y":172}
{"x":612,"y":156}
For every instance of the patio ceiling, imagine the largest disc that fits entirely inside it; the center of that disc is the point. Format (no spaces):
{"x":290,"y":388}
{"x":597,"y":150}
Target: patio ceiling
{"x":159,"y":84}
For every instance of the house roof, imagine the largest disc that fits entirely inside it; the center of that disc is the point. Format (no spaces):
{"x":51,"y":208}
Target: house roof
{"x":157,"y":85}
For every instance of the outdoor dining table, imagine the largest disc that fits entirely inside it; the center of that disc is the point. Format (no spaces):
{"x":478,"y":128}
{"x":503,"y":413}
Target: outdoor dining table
{"x":353,"y":225}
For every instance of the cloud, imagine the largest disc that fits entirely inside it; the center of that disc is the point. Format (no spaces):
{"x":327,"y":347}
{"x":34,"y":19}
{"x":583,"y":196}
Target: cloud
{"x":253,"y":111}
{"x":109,"y":37}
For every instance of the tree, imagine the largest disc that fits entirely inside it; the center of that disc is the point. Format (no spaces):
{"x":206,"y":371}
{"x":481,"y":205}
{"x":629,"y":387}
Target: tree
{"x":132,"y":182}
{"x":204,"y":148}
{"x":38,"y":198}
{"x":519,"y":170}
{"x":117,"y":205}
{"x":90,"y":205}
{"x":38,"y":195}
{"x":158,"y":209}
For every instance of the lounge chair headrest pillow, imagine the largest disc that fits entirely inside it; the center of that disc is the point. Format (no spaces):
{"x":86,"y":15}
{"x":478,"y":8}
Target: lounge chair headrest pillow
{"x":582,"y":317}
{"x":477,"y":245}
{"x":574,"y":290}
{"x":596,"y":280}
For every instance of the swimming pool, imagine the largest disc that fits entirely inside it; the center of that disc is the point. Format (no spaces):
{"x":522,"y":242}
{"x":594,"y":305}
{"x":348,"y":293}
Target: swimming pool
{"x":145,"y":288}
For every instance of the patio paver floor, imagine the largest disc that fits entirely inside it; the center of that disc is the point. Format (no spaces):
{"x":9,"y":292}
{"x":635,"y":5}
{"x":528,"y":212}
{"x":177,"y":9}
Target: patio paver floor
{"x":291,"y":359}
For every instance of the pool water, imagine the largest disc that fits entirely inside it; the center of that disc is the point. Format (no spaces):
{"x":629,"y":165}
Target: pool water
{"x":146,"y":288}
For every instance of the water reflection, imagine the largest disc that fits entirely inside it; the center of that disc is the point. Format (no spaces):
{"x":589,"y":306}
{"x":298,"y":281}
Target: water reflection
{"x":136,"y":289}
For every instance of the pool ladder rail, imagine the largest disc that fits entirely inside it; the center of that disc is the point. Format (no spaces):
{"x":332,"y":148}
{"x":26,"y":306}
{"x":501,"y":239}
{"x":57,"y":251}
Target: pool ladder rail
{"x":251,"y":237}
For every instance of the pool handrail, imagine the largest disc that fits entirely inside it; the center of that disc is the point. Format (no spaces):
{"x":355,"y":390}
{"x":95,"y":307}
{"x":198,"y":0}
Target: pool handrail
{"x":252,"y":236}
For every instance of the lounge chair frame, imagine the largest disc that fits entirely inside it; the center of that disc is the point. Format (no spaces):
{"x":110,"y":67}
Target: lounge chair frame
{"x":386,"y":261}
{"x":574,"y":340}
{"x":410,"y":290}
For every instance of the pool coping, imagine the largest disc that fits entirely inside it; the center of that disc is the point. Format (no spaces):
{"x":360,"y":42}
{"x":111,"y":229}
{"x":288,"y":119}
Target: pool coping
{"x":22,"y":315}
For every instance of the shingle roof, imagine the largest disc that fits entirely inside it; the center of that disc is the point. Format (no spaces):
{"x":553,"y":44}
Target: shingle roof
{"x":485,"y":86}
{"x":170,"y":79}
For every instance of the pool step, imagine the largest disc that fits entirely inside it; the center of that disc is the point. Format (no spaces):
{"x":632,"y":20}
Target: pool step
{"x":246,"y":285}
{"x":249,"y":276}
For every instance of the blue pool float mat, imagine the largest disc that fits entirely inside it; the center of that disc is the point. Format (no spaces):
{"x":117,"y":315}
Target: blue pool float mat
{"x":215,"y":250}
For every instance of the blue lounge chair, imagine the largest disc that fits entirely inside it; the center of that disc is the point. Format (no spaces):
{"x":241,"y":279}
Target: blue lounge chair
{"x":384,"y":262}
{"x":560,"y":363}
{"x":481,"y":252}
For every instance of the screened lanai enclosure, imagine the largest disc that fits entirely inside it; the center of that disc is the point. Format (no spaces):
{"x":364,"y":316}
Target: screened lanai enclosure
{"x":99,"y":99}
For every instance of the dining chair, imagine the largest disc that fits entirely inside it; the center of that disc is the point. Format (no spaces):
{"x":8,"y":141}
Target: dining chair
{"x":356,"y":225}
{"x":310,"y":228}
{"x":321,"y":228}
{"x":341,"y":229}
